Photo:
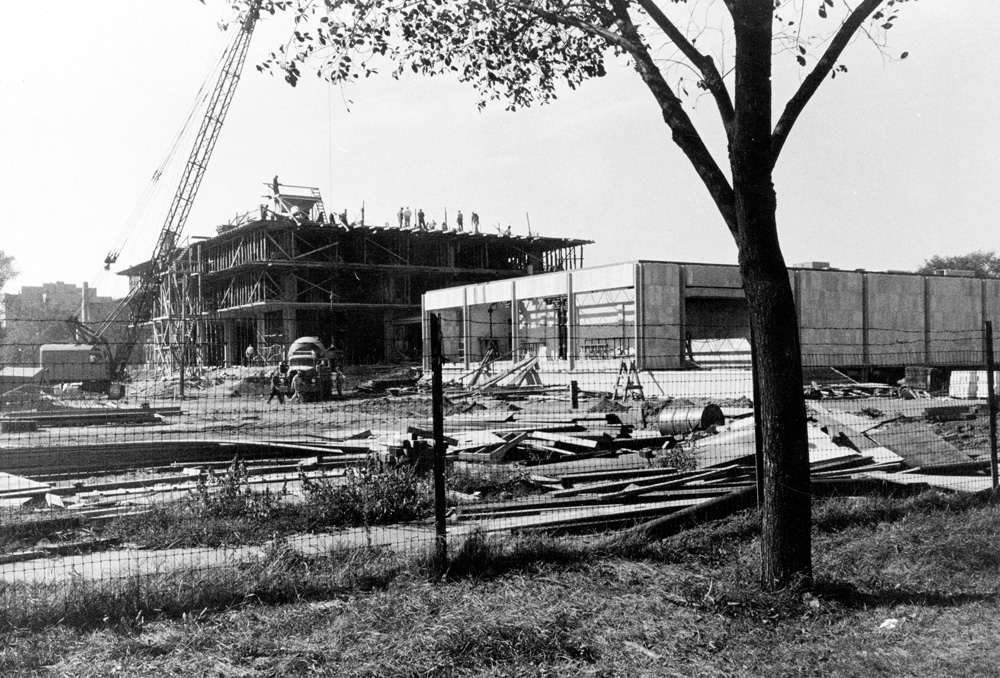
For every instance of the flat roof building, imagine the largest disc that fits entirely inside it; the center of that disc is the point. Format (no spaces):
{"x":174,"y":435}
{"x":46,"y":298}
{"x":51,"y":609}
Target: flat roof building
{"x":672,"y":315}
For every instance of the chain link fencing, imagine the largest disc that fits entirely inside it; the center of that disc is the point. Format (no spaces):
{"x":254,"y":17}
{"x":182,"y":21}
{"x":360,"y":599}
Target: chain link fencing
{"x":209,"y":455}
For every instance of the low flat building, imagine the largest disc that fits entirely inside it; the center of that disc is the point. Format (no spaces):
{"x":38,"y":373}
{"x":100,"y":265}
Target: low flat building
{"x":671,"y":315}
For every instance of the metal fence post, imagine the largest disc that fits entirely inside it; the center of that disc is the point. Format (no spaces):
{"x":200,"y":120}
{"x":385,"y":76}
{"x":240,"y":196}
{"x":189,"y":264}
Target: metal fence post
{"x":991,"y":406}
{"x":437,"y":406}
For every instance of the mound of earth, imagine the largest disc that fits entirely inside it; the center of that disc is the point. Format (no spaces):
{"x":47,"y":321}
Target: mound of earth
{"x":608,"y":405}
{"x":404,"y":406}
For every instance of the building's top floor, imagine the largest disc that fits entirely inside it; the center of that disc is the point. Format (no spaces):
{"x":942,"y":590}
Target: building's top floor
{"x":283,"y":242}
{"x":295,"y":232}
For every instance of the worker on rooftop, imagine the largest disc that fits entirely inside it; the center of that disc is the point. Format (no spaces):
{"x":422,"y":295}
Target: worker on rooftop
{"x":421,"y":224}
{"x":406,"y":217}
{"x":458,"y":221}
{"x":400,"y":215}
{"x":475,"y":223}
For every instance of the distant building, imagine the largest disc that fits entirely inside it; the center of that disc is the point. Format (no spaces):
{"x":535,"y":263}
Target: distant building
{"x":54,"y":301}
{"x":37,"y":315}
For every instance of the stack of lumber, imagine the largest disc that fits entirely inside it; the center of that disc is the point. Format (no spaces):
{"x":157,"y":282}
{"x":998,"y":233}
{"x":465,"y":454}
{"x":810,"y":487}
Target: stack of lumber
{"x":58,"y":461}
{"x":85,"y":417}
{"x":615,"y":493}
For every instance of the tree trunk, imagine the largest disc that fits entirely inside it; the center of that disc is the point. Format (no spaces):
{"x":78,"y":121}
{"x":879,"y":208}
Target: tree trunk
{"x":786,"y":512}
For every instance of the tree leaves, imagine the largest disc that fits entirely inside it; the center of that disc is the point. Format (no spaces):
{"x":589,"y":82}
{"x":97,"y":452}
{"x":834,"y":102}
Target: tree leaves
{"x":984,"y":263}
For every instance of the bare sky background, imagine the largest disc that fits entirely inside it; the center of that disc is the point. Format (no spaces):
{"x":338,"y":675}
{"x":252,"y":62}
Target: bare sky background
{"x":891,"y":163}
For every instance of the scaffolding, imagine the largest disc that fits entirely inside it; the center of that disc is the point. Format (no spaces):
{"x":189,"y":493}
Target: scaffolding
{"x":295,"y":272}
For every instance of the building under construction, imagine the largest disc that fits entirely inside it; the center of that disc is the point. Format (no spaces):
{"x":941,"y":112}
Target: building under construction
{"x":292,"y":271}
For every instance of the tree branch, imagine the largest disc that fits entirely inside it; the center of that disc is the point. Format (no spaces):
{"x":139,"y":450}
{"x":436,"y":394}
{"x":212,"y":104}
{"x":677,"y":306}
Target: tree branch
{"x":574,"y":22}
{"x":812,"y":82}
{"x":703,"y":62}
{"x":683,"y":130}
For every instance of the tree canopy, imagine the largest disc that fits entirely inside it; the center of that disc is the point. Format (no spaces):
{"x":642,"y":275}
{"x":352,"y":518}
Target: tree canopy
{"x":984,"y":263}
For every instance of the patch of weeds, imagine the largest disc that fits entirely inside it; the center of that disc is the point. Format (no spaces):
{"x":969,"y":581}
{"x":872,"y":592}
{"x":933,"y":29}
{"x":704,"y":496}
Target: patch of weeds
{"x":490,"y":481}
{"x":231,"y":496}
{"x":680,"y":457}
{"x":375,"y":494}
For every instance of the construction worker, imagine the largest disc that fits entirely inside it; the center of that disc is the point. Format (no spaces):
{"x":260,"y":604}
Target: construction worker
{"x":458,"y":221}
{"x":276,"y":388}
{"x":475,"y":223}
{"x":421,"y":224}
{"x":339,"y":379}
{"x":249,"y":354}
{"x":296,"y":388}
{"x":406,"y":217}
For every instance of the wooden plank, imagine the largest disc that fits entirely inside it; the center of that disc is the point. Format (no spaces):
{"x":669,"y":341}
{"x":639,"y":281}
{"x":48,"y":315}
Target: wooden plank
{"x":613,"y":485}
{"x":955,"y":483}
{"x":918,"y":444}
{"x":500,"y":454}
{"x":582,"y":515}
{"x":707,"y":475}
{"x":569,"y":441}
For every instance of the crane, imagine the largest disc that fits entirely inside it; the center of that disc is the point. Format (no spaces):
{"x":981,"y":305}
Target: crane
{"x":135,"y":309}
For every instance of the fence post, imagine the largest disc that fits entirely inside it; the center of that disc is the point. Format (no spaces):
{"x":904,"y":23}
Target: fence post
{"x":437,"y":407}
{"x":991,"y":406}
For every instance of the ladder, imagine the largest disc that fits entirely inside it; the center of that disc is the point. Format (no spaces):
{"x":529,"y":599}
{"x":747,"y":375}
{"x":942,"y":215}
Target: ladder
{"x":628,"y":382}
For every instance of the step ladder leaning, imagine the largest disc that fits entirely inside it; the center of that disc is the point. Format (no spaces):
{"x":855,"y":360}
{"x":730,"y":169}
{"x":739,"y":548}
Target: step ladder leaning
{"x":628,"y":382}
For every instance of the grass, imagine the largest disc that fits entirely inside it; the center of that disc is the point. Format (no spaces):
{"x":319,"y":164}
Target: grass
{"x":606,"y":606}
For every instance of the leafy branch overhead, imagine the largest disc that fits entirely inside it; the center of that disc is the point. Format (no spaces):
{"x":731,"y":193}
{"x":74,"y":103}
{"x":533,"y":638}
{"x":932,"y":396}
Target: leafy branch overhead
{"x":523,"y":51}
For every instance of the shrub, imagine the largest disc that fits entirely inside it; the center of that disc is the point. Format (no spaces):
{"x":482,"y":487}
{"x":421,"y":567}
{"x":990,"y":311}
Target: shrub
{"x":374,"y":494}
{"x":231,"y":497}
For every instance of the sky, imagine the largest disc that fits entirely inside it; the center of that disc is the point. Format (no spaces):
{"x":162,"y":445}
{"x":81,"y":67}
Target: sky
{"x":890,"y":164}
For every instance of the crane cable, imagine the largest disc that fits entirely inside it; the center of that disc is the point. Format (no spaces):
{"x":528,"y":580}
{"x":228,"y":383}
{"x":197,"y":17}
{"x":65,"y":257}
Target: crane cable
{"x":141,"y":211}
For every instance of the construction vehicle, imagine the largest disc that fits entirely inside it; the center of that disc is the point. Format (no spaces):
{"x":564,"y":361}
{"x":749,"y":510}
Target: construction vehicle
{"x":135,"y":310}
{"x":84,"y":363}
{"x":310,"y":360}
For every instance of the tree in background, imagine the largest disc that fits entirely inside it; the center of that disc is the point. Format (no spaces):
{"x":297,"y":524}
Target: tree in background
{"x":7,"y":270}
{"x":984,"y":263}
{"x":7,"y":273}
{"x":520,"y":50}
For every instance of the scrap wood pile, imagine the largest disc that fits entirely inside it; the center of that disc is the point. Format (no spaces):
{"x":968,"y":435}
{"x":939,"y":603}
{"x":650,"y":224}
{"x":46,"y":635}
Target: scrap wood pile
{"x":817,"y":391}
{"x":519,"y":379}
{"x":140,"y":474}
{"x":598,"y":473}
{"x":618,"y":492}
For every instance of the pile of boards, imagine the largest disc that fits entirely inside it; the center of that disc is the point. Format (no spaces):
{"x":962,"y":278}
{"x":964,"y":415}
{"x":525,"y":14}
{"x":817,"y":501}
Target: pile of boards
{"x":20,"y":421}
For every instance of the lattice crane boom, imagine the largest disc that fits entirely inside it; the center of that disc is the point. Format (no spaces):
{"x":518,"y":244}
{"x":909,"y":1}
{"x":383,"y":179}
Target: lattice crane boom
{"x":137,"y":306}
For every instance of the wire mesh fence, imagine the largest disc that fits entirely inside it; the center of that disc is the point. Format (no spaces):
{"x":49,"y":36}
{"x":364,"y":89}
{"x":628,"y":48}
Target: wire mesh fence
{"x":209,"y":454}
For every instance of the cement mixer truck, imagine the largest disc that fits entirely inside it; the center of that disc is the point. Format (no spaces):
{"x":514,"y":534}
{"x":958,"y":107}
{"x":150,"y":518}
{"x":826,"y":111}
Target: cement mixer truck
{"x":308,"y":358}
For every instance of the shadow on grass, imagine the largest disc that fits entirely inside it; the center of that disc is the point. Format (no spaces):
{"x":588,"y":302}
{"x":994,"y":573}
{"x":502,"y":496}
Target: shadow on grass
{"x":850,"y":596}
